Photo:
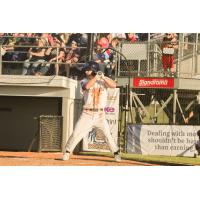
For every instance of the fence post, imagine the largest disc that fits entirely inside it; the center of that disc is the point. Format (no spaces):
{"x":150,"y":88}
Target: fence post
{"x":174,"y":106}
{"x":155,"y":59}
{"x":196,"y":54}
{"x":193,"y":60}
{"x":148,"y":51}
{"x":179,"y":55}
{"x":0,"y":60}
{"x":90,"y":46}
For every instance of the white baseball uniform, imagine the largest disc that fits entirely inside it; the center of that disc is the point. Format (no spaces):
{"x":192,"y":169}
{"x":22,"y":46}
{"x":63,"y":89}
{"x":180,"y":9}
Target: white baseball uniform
{"x":93,"y":115}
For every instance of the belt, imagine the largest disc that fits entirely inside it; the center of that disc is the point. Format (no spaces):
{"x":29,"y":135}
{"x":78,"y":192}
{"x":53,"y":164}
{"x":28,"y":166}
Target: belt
{"x":93,"y":109}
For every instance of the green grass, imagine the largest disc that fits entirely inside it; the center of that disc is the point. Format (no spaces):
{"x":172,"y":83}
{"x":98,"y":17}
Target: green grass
{"x":162,"y":160}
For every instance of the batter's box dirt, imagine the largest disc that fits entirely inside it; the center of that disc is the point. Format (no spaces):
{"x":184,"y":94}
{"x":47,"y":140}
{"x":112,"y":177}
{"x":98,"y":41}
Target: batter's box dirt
{"x":54,"y":159}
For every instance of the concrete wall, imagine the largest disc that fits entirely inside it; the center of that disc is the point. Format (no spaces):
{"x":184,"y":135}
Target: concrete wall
{"x":18,"y":125}
{"x":25,"y":97}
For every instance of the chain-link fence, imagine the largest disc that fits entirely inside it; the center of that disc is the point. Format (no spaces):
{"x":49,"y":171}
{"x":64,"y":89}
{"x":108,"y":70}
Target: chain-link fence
{"x":135,"y":63}
{"x":145,"y":59}
{"x":142,"y":59}
{"x":158,"y":107}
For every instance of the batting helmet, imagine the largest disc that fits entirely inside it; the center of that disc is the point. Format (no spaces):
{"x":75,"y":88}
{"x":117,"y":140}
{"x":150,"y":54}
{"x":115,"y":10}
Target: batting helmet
{"x":91,"y":65}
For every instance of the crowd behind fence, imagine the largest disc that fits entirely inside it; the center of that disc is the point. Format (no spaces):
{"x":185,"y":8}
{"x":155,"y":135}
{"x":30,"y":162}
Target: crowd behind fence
{"x":65,"y":54}
{"x":42,"y":54}
{"x":147,"y":59}
{"x":60,"y":53}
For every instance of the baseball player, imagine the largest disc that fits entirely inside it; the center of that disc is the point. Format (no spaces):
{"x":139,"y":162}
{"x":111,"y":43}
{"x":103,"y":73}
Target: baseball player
{"x":197,"y":146}
{"x":95,"y":96}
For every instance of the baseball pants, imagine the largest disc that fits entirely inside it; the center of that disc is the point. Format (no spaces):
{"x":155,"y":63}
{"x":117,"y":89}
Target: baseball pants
{"x":84,"y":125}
{"x":168,"y":61}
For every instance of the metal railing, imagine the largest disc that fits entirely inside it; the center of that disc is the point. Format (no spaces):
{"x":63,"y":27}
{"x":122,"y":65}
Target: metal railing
{"x":12,"y":61}
{"x":143,"y":59}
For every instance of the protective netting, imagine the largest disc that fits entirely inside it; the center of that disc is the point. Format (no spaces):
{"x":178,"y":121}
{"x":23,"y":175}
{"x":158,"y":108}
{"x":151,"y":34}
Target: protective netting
{"x":136,"y":59}
{"x":150,"y":106}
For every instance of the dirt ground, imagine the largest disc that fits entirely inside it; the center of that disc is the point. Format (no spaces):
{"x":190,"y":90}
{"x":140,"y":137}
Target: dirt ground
{"x":54,"y":159}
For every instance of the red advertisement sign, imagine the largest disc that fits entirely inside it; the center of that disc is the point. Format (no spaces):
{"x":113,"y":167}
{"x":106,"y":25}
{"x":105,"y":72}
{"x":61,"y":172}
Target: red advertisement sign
{"x":153,"y":82}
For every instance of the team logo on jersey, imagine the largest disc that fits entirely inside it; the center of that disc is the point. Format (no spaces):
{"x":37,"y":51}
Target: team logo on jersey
{"x":95,"y":96}
{"x":109,"y":109}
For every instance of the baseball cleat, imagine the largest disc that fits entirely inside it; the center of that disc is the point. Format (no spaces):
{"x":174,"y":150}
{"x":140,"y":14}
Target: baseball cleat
{"x":118,"y":158}
{"x":66,"y":156}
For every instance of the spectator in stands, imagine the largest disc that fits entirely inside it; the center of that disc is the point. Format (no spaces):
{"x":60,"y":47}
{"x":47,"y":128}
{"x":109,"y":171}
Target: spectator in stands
{"x":18,"y":53}
{"x":168,"y":46}
{"x":119,"y":36}
{"x":113,"y":58}
{"x":115,"y":43}
{"x":3,"y":41}
{"x":53,"y":54}
{"x":28,"y":40}
{"x":142,"y":36}
{"x":80,"y":38}
{"x":22,"y":47}
{"x":64,"y":37}
{"x":8,"y":49}
{"x":72,"y":57}
{"x":99,"y":57}
{"x":2,"y":38}
{"x":107,"y":55}
{"x":74,"y":37}
{"x":13,"y":51}
{"x":37,"y":56}
{"x":83,"y":40}
{"x":103,"y":42}
{"x":59,"y":37}
{"x":132,"y":37}
{"x":102,"y":54}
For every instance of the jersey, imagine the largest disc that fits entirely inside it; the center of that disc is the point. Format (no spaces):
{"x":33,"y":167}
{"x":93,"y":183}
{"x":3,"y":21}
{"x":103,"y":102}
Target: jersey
{"x":197,"y":147}
{"x":96,"y":96}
